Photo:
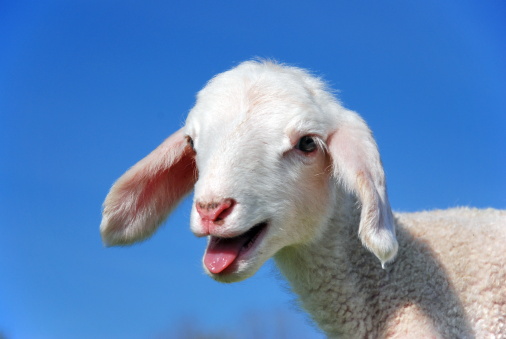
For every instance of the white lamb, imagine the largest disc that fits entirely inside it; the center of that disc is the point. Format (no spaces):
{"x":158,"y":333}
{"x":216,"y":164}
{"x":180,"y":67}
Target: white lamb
{"x":280,"y":169}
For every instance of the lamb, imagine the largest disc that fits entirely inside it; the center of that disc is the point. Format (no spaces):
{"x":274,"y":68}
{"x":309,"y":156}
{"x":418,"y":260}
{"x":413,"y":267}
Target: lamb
{"x":281,"y":169}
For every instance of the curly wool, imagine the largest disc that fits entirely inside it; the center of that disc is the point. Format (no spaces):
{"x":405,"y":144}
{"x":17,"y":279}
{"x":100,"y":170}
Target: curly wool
{"x":359,"y":270}
{"x":447,"y":280}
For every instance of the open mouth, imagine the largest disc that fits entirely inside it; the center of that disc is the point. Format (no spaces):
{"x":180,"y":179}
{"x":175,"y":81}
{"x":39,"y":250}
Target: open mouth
{"x":223,"y":252}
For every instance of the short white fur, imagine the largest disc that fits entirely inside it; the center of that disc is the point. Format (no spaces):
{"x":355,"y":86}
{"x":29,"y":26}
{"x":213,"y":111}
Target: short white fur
{"x":320,"y":208}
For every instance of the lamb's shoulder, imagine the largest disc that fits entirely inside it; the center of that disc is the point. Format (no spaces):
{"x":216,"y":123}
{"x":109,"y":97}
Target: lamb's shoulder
{"x":469,"y":246}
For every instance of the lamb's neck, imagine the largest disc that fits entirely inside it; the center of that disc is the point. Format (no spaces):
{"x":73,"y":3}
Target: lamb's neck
{"x":324,"y":276}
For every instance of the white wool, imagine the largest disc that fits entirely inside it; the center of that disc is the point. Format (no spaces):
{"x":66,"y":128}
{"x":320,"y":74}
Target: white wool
{"x":324,"y":212}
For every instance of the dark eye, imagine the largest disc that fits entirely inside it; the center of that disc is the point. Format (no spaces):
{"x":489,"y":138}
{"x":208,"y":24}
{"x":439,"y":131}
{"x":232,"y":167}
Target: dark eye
{"x":306,"y":144}
{"x":190,"y":142}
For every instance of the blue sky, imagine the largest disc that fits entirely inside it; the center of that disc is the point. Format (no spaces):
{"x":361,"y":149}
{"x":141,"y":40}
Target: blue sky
{"x":88,"y":88}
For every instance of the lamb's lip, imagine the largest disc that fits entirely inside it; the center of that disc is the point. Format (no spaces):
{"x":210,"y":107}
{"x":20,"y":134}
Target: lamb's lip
{"x":258,"y":232}
{"x":232,"y":235}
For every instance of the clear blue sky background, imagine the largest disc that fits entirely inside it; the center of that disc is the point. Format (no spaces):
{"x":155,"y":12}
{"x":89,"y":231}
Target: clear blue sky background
{"x":87,"y":88}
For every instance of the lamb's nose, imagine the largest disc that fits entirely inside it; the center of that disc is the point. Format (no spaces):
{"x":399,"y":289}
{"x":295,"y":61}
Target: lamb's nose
{"x":215,"y":211}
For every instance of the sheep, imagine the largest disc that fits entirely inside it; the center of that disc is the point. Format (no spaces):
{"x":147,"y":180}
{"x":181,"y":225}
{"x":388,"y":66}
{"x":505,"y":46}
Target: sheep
{"x":279,"y":168}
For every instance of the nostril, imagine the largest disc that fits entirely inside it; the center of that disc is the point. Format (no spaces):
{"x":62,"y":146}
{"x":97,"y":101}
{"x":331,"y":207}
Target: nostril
{"x":215,"y":211}
{"x":225,"y":212}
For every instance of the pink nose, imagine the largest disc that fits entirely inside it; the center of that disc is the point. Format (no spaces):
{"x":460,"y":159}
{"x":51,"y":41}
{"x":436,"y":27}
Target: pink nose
{"x":215,"y":211}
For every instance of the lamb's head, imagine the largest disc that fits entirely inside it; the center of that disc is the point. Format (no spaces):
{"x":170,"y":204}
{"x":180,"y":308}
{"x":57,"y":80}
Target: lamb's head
{"x":265,"y":148}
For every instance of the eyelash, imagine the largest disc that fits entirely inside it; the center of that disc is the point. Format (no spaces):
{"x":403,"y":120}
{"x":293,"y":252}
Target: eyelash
{"x":190,"y":142}
{"x":307,"y":144}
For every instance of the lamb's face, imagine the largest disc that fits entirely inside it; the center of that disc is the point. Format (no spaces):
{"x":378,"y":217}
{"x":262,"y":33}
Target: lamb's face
{"x":271,"y":145}
{"x":264,"y":175}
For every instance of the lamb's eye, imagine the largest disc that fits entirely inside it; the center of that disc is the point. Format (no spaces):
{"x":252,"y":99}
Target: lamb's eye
{"x":190,"y":142}
{"x":306,"y":144}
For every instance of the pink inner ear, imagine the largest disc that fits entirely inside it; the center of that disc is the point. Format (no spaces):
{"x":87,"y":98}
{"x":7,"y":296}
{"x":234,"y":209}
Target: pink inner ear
{"x":165,"y":187}
{"x":142,"y":198}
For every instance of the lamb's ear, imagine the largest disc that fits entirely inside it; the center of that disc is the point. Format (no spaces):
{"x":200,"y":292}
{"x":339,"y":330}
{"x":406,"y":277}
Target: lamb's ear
{"x":142,"y":198}
{"x":357,"y":165}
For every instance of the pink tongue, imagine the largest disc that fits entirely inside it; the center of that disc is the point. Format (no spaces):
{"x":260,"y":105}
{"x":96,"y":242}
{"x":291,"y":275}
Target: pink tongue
{"x":221,"y":253}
